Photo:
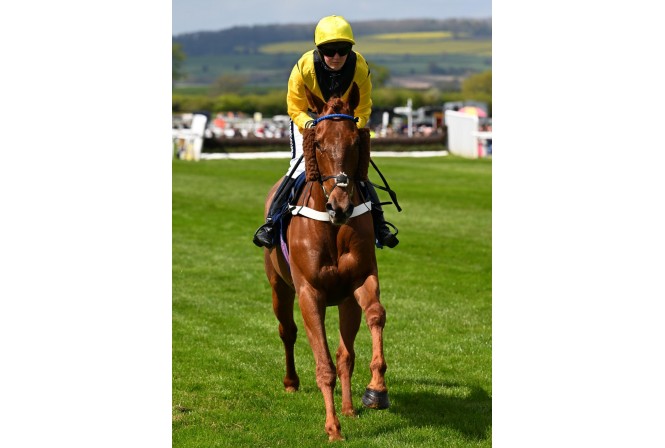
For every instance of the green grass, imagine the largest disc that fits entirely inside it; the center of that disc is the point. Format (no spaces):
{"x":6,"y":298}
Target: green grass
{"x":228,"y":360}
{"x":370,"y":45}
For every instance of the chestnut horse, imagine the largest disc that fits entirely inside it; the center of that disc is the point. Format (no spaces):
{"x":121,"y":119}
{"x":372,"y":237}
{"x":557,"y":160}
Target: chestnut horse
{"x":332,"y":259}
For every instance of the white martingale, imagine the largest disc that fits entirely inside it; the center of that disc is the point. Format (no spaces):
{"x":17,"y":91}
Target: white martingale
{"x":324,"y":216}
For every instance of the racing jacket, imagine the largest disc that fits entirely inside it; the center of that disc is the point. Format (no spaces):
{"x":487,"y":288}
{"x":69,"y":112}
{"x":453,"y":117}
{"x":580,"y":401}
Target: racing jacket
{"x":310,"y":71}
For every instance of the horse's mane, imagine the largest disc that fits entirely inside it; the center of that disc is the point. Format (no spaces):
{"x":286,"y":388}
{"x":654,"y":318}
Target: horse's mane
{"x":311,"y":167}
{"x":363,"y":156}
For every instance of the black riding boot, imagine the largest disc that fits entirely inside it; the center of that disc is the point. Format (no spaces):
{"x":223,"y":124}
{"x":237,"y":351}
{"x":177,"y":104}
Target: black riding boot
{"x":380,"y":224}
{"x":265,"y":235}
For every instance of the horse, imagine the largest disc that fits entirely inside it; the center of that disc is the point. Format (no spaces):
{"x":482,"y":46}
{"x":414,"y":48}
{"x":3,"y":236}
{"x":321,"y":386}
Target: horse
{"x":332,"y":259}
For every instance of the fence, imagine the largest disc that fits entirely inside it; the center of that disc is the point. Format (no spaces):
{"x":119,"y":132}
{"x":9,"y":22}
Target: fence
{"x":463,"y":136}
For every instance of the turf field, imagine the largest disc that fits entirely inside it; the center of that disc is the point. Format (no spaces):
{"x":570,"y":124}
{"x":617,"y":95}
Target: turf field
{"x":228,"y":359}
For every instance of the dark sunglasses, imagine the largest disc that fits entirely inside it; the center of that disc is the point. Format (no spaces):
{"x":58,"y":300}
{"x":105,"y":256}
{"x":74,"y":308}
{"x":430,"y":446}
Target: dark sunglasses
{"x":330,"y":50}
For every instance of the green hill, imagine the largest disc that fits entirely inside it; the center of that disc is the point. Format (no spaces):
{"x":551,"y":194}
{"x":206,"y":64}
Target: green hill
{"x":262,"y":56}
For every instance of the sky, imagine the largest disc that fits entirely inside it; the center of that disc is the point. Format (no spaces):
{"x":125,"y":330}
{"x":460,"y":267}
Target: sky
{"x":213,"y":15}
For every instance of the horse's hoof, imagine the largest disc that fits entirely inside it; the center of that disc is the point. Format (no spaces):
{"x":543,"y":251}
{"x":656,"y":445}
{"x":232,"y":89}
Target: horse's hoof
{"x":351,"y":413}
{"x":335,"y":438}
{"x":374,"y":399}
{"x":291,"y":384}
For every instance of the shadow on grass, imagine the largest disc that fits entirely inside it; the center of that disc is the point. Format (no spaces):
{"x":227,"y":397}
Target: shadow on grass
{"x":465,"y":409}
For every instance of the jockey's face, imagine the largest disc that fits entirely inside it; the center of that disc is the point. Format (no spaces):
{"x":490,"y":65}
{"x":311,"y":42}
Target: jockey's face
{"x":335,"y":54}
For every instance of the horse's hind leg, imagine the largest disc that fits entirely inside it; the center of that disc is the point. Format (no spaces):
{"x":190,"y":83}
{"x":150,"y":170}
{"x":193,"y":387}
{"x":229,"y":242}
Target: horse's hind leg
{"x":350,"y":316}
{"x":282,"y":305}
{"x":376,"y":394}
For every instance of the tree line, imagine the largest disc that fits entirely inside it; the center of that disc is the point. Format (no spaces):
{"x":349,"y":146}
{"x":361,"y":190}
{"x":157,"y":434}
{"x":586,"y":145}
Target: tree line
{"x":476,"y":87}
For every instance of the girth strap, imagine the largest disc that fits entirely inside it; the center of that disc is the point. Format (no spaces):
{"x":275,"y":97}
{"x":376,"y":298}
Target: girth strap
{"x":324,"y":216}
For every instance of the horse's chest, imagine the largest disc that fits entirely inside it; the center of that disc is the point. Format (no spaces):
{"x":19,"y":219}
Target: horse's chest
{"x":337,"y":280}
{"x":347,"y":265}
{"x":334,"y":276}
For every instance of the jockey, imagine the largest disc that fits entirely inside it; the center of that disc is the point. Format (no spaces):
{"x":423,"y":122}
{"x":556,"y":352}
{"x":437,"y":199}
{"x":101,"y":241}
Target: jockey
{"x":330,"y":69}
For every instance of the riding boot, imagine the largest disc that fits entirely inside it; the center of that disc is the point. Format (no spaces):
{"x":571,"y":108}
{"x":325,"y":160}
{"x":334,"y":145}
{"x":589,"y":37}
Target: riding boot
{"x":265,"y":235}
{"x":383,"y":235}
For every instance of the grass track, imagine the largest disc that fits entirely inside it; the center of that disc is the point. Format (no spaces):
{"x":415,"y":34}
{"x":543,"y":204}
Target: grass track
{"x":228,"y":360}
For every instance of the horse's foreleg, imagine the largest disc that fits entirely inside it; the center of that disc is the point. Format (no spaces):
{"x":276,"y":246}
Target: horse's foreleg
{"x":313,"y":313}
{"x":376,"y":394}
{"x":350,"y":315}
{"x":282,"y":305}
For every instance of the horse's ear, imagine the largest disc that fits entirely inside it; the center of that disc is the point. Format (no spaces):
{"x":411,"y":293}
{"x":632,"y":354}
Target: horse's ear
{"x":354,"y":97}
{"x":309,"y":152}
{"x":314,"y":100}
{"x":363,"y":153}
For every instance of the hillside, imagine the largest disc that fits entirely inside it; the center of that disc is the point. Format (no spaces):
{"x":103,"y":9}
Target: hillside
{"x":425,"y":53}
{"x":249,"y":39}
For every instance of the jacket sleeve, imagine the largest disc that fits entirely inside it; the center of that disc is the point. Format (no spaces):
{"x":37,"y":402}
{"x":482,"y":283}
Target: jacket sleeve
{"x":364,"y":108}
{"x":296,"y":101}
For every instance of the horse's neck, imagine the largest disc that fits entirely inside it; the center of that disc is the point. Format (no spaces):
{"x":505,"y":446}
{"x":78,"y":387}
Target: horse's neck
{"x":312,"y":196}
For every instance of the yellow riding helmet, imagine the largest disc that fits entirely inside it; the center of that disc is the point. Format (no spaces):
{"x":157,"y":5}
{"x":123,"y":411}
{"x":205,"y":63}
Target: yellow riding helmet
{"x":333,"y":29}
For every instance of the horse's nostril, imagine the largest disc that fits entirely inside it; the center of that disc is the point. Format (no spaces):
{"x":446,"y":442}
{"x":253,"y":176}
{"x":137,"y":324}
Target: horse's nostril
{"x":329,"y":207}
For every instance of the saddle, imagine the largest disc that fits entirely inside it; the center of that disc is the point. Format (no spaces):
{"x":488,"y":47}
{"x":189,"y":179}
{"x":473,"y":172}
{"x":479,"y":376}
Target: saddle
{"x":283,"y":217}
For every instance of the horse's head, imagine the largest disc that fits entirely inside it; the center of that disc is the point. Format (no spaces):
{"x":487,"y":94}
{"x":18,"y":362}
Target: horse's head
{"x":336,"y":152}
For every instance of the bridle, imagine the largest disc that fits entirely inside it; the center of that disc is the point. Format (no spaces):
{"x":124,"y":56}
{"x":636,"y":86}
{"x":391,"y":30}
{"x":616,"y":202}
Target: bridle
{"x":342,"y":179}
{"x":329,"y":116}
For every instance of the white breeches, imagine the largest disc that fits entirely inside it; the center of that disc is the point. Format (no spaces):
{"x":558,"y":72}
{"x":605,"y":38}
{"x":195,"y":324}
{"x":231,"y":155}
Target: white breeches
{"x":295,"y":139}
